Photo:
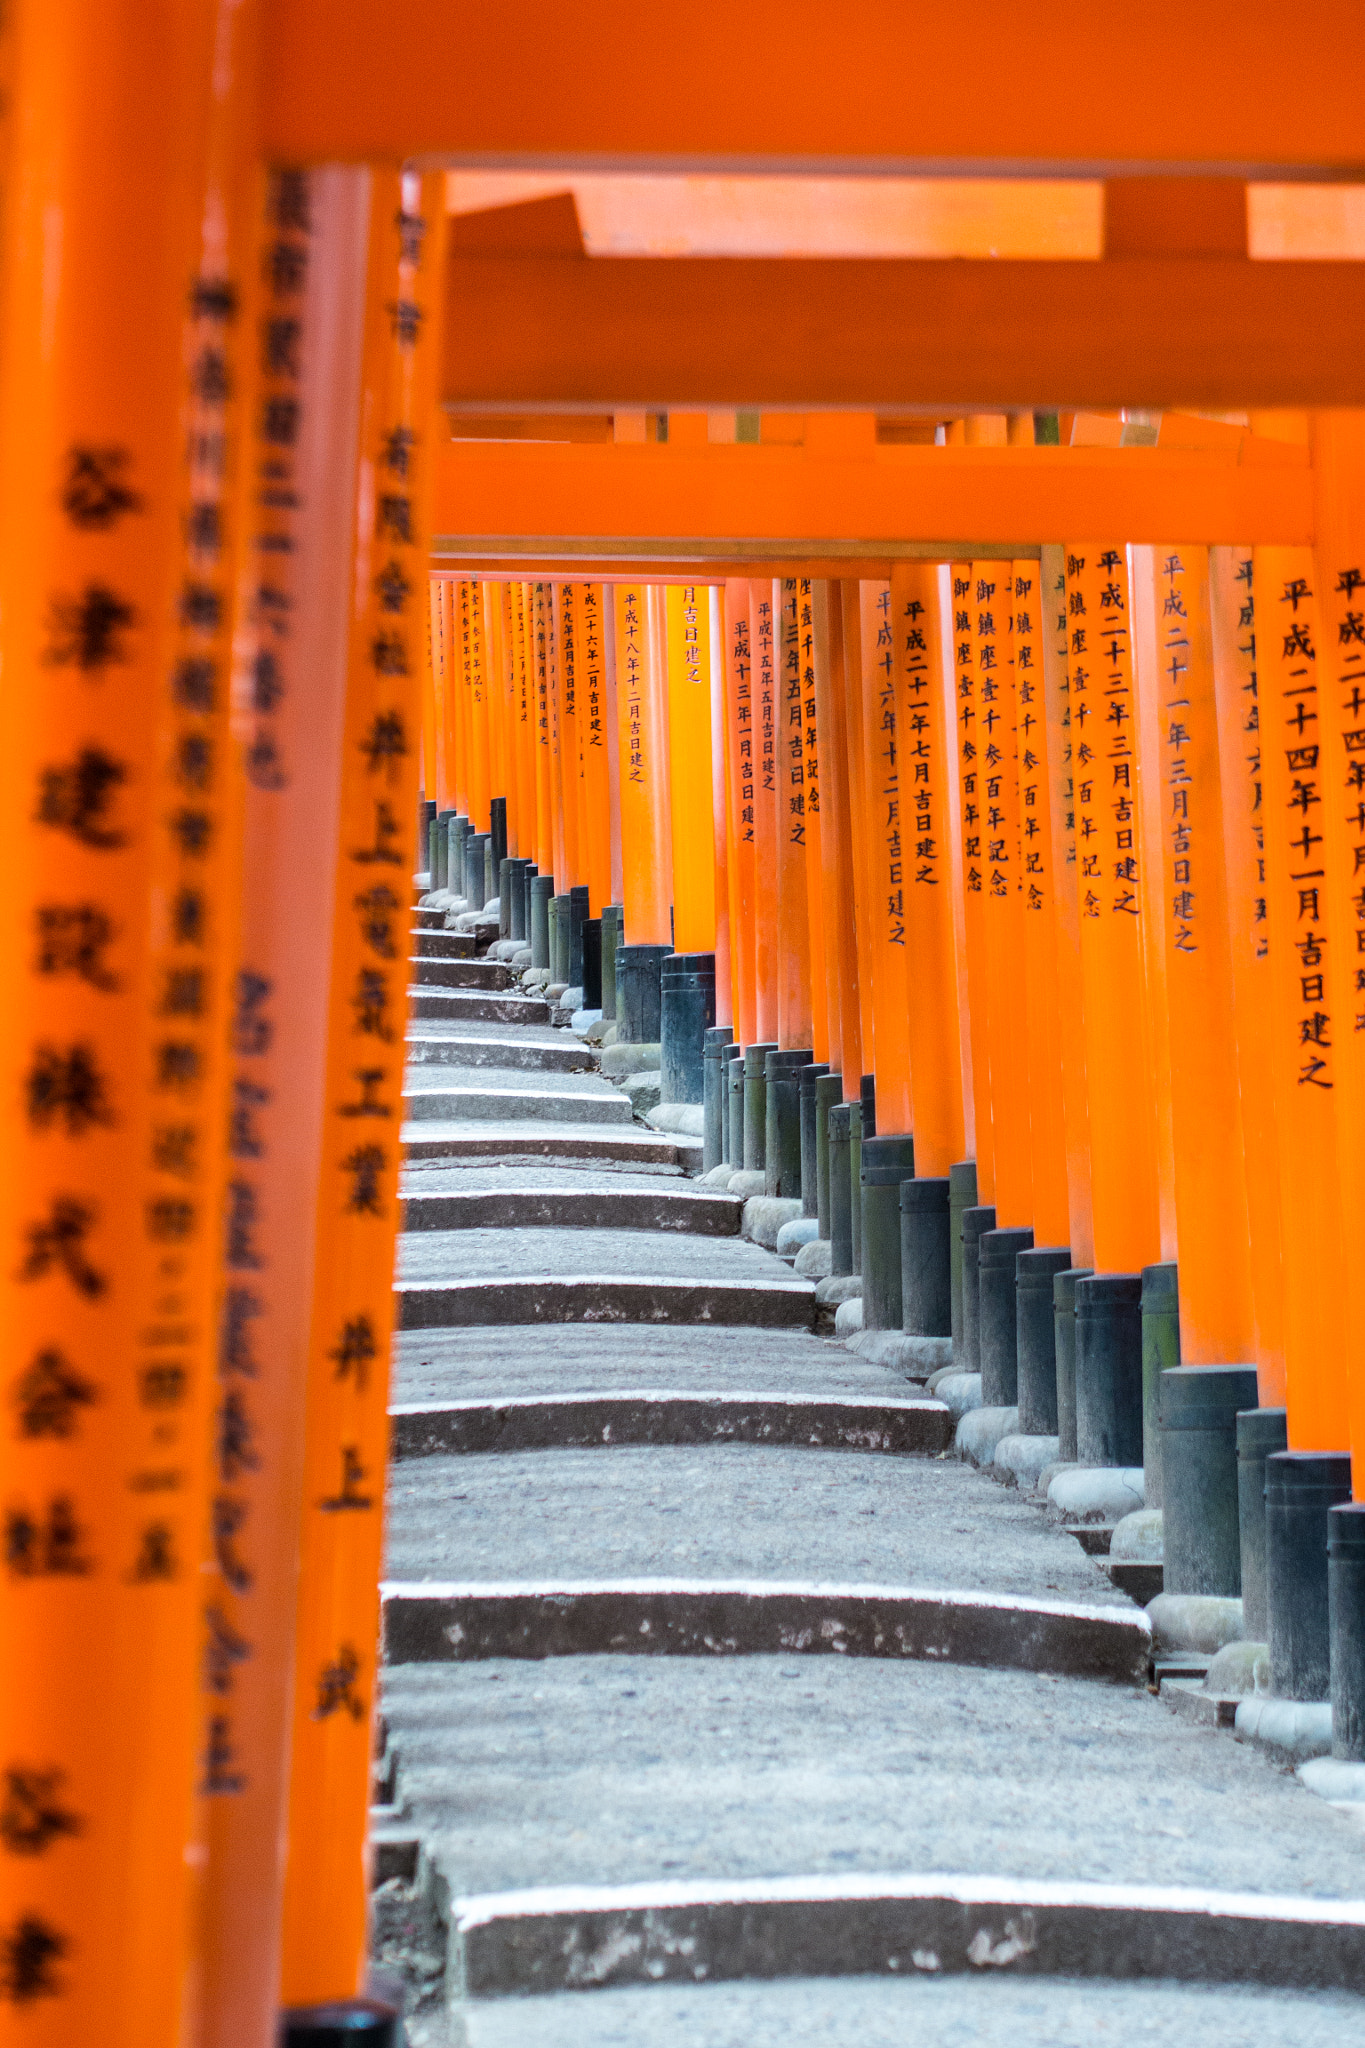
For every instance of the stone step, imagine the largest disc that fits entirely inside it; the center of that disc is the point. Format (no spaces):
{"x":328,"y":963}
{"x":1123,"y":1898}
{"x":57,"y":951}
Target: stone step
{"x":435,"y":1621}
{"x":560,"y":1054}
{"x":660,"y":1416}
{"x":508,"y":1105}
{"x":602,"y":1298}
{"x":666,"y":1208}
{"x":524,"y":1140}
{"x":486,"y":974}
{"x":457,"y":1006}
{"x":428,"y":920}
{"x":945,"y":1926}
{"x":428,"y":944}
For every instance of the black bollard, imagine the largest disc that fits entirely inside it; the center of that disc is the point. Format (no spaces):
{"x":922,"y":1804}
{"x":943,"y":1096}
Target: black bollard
{"x":440,"y":869}
{"x":867,"y":1102}
{"x":1201,"y":1533}
{"x":1260,"y":1433}
{"x":810,"y":1169}
{"x":926,"y":1258}
{"x":734,"y":1104}
{"x":687,"y":1011}
{"x":782,"y":1136}
{"x":542,"y":889}
{"x":348,"y":2023}
{"x":1109,"y":1369}
{"x":505,"y":899}
{"x":1300,"y":1488}
{"x":1064,"y":1337}
{"x":516,"y":890}
{"x":592,"y":963}
{"x":578,"y":917}
{"x":961,"y":1196}
{"x":456,"y":831}
{"x":638,"y":993}
{"x":975,"y":1223}
{"x":713,"y":1097}
{"x":559,"y":940}
{"x":1160,"y":1352}
{"x":1036,"y":1337}
{"x":840,"y":1191}
{"x":886,"y":1162}
{"x":1346,"y":1628}
{"x":829,"y":1090}
{"x":426,"y":818}
{"x":996,"y":1252}
{"x":855,"y":1165}
{"x":611,"y":925}
{"x":756,"y":1107}
{"x":497,"y":828}
{"x":477,"y":891}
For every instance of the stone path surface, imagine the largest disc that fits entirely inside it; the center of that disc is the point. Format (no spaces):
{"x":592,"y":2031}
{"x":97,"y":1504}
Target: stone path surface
{"x":831,"y":1762}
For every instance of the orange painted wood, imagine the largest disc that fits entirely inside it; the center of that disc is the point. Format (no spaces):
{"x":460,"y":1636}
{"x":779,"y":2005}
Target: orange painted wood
{"x":1046,"y":1027}
{"x":1123,"y":1158}
{"x":1155,"y":1012}
{"x":825,"y":1024}
{"x":954,"y":494}
{"x":688,"y":631}
{"x":1306,"y":1034}
{"x":542,"y":692}
{"x":644,"y":774}
{"x":721,"y":832}
{"x":592,"y":602}
{"x":1237,"y":694}
{"x":795,"y":1023}
{"x":1059,"y":891}
{"x":884,"y":838}
{"x":1217,"y":1321}
{"x":741,"y":774}
{"x":975,"y":1023}
{"x":836,"y":847}
{"x":343,"y":83}
{"x":763,"y":687}
{"x":849,"y":712}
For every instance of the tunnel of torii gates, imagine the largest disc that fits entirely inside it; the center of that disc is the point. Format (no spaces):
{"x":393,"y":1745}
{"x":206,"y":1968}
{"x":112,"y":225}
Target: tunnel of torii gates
{"x":977,"y":716}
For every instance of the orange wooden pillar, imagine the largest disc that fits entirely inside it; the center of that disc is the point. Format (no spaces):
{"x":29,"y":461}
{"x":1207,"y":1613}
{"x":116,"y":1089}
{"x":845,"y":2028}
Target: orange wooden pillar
{"x":1123,"y":1155}
{"x":522,"y":642}
{"x":1045,"y":1027}
{"x":995,"y":798}
{"x":970,"y":798}
{"x":1339,"y":479}
{"x":553,"y":709}
{"x":836,"y":848}
{"x":593,"y":711}
{"x":742,"y":777}
{"x":457,"y":700}
{"x":117,"y":916}
{"x":490,"y":613}
{"x":440,"y":789}
{"x":1055,"y":879}
{"x":1236,"y":693}
{"x":850,"y":711}
{"x":644,"y":771}
{"x":795,"y":1019}
{"x":429,"y":710}
{"x":885,"y":853}
{"x":1151,"y":865}
{"x":824,"y":998}
{"x":1306,"y":1035}
{"x":474,"y":668}
{"x":721,"y":833}
{"x":1209,"y":1166}
{"x":541,"y":687}
{"x":763,"y":689}
{"x":689,"y":766}
{"x":336,"y":1652}
{"x":925,"y":759}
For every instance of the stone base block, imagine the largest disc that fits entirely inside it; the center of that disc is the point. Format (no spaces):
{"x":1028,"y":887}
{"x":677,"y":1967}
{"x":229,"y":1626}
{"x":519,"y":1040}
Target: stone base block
{"x":620,"y":1060}
{"x":1238,"y":1670}
{"x":1340,"y":1783}
{"x":596,"y":1032}
{"x":582,"y":1021}
{"x":848,"y":1317}
{"x":1194,"y":1622}
{"x":747,"y":1181}
{"x":1097,"y":1493}
{"x":982,"y":1429}
{"x":812,"y":1261}
{"x":764,"y":1216}
{"x":643,"y":1089}
{"x":839,"y":1287}
{"x":1020,"y":1459}
{"x":959,"y":1391}
{"x":1292,"y":1731}
{"x":793,"y":1236}
{"x":942,"y":1372}
{"x":719,"y":1176}
{"x":893,"y":1348}
{"x":1137,"y":1539}
{"x":687,"y":1117}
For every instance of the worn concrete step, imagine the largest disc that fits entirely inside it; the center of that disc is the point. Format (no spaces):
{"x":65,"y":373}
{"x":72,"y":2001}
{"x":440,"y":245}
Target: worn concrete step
{"x":989,"y":2007}
{"x":516,"y":1139}
{"x":420,"y":1429}
{"x":441,"y":945}
{"x":463,"y":1006}
{"x":428,"y":920}
{"x":489,"y":974}
{"x":940,"y":1925}
{"x":546,"y":1054}
{"x":663,"y":1208}
{"x":462,"y":1104}
{"x":427,"y":1621}
{"x":602,"y":1298}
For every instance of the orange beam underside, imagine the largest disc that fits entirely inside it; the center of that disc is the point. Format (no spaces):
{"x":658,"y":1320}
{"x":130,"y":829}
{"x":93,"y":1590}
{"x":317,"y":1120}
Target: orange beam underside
{"x":386,"y":79}
{"x":660,"y":506}
{"x":1213,"y":332}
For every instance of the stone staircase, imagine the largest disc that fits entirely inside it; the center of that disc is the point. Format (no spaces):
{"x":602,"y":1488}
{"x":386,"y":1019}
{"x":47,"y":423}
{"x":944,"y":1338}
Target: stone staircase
{"x":722,"y":1703}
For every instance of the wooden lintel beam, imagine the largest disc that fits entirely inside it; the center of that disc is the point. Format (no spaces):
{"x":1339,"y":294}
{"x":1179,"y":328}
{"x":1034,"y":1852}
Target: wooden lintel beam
{"x":1272,"y":87}
{"x":741,"y":503}
{"x":1208,"y":332}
